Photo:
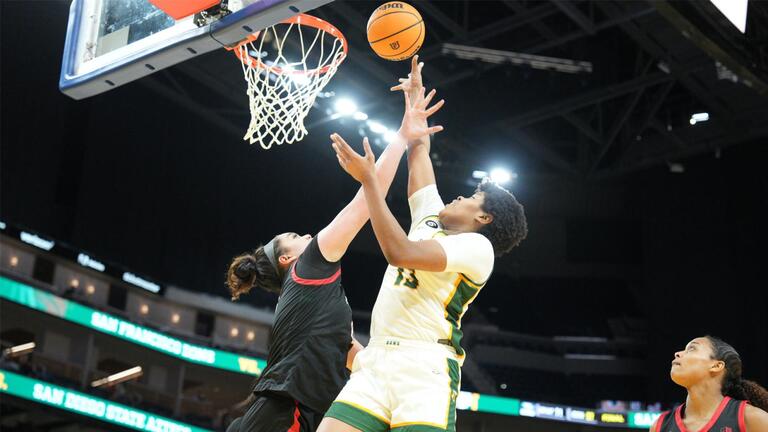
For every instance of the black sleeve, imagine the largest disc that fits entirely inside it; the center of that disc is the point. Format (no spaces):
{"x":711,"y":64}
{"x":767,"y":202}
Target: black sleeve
{"x":313,"y":265}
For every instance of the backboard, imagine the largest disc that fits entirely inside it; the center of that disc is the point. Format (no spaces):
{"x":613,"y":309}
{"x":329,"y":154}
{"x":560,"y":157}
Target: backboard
{"x":113,"y":42}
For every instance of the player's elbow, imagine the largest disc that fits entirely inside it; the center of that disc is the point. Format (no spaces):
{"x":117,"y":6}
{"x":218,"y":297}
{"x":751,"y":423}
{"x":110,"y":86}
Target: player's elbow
{"x":396,"y":261}
{"x":397,"y":253}
{"x":392,"y":257}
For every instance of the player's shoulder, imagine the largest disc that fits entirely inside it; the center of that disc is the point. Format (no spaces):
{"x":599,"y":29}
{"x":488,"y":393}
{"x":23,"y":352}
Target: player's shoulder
{"x":657,"y":425}
{"x":425,"y":196}
{"x":756,"y":418}
{"x":475,"y":239}
{"x":474,"y":243}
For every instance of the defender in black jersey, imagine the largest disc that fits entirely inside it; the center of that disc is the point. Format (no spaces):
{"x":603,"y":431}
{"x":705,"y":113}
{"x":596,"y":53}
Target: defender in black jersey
{"x":719,"y":400}
{"x":311,"y":338}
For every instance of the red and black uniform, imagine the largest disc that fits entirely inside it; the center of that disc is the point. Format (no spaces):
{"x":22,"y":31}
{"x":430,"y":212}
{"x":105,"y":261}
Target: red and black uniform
{"x":729,"y":417}
{"x":311,"y":336}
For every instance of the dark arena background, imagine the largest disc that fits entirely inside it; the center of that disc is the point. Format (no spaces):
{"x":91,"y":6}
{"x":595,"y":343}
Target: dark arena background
{"x":643,"y":178}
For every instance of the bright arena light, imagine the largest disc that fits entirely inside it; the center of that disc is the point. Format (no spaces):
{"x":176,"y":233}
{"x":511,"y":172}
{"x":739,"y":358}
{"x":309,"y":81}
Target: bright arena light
{"x":390,"y":135}
{"x":377,"y":127}
{"x":501,"y":176}
{"x":345,"y":106}
{"x":361,"y":116}
{"x":298,"y":78}
{"x":477,"y":174}
{"x":698,"y":118}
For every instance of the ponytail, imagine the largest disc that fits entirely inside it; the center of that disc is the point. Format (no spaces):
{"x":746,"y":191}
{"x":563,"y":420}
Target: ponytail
{"x":733,"y":385}
{"x":250,"y":270}
{"x":756,"y":394}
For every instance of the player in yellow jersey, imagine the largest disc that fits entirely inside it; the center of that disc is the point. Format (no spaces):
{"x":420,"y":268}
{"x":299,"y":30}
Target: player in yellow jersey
{"x":407,"y":379}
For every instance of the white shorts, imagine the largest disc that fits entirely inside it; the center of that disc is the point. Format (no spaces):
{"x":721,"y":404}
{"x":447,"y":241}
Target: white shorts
{"x":400,"y":385}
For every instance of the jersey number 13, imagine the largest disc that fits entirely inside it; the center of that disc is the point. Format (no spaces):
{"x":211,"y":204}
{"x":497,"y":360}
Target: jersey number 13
{"x":406,"y":277}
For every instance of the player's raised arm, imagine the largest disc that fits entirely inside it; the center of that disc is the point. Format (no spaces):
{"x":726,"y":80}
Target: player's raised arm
{"x":397,"y":248}
{"x":334,"y":239}
{"x":420,"y":171}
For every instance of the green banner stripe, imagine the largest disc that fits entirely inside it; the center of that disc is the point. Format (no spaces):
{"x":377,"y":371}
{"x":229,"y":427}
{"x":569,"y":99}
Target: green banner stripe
{"x":75,"y":312}
{"x":87,"y":405}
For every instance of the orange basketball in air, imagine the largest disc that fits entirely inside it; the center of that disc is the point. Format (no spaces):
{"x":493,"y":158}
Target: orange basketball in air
{"x":395,"y":31}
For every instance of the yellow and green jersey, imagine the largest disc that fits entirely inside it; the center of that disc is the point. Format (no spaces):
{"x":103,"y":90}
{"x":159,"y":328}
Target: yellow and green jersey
{"x":428,"y":306}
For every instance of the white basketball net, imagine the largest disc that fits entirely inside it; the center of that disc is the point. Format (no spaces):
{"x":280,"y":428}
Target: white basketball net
{"x":280,"y":90}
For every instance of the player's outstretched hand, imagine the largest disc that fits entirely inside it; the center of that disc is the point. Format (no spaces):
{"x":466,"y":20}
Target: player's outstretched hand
{"x":415,"y":124}
{"x":413,"y":83}
{"x":361,"y":168}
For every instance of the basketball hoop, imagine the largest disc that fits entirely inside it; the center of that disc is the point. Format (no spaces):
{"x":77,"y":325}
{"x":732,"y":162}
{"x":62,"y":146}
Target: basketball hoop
{"x":281,"y":89}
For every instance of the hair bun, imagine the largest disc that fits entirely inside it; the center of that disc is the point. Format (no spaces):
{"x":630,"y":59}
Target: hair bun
{"x":246,"y":269}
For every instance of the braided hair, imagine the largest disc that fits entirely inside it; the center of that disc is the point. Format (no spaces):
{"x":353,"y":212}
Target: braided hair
{"x":733,"y":385}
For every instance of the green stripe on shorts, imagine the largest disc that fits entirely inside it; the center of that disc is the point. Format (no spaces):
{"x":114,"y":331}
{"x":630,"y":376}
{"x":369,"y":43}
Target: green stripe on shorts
{"x":418,"y":428}
{"x":454,"y":371}
{"x":356,"y":417}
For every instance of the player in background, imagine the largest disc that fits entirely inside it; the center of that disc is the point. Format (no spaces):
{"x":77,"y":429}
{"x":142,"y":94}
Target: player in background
{"x":719,"y":399}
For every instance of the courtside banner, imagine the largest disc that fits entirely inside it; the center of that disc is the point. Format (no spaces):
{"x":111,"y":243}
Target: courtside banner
{"x":43,"y":301}
{"x":87,"y":405}
{"x":642,"y":419}
{"x":34,"y":298}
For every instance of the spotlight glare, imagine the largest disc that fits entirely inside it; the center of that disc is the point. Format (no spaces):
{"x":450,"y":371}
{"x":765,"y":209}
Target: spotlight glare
{"x":500,"y":175}
{"x":128,"y":374}
{"x":698,"y":118}
{"x":300,"y":79}
{"x":390,"y":136}
{"x":19,"y":350}
{"x":377,"y":127}
{"x":297,"y":78}
{"x":345,"y":106}
{"x":478,"y":174}
{"x":361,"y":116}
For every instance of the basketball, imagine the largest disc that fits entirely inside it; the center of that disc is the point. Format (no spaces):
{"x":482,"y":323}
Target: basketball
{"x":395,"y":31}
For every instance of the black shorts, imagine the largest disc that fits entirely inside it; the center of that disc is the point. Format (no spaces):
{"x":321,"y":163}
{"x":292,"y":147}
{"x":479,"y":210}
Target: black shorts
{"x":272,"y":413}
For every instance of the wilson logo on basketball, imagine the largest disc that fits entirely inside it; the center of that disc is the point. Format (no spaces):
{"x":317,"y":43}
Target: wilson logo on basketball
{"x":392,"y":6}
{"x":395,"y":45}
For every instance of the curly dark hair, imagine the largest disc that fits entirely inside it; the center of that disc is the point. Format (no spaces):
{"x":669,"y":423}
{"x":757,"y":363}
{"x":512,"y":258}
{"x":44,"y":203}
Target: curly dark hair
{"x":253,"y":269}
{"x":733,"y":385}
{"x":509,"y":226}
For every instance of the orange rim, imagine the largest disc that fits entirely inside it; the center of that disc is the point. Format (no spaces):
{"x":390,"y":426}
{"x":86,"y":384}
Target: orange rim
{"x":300,"y":19}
